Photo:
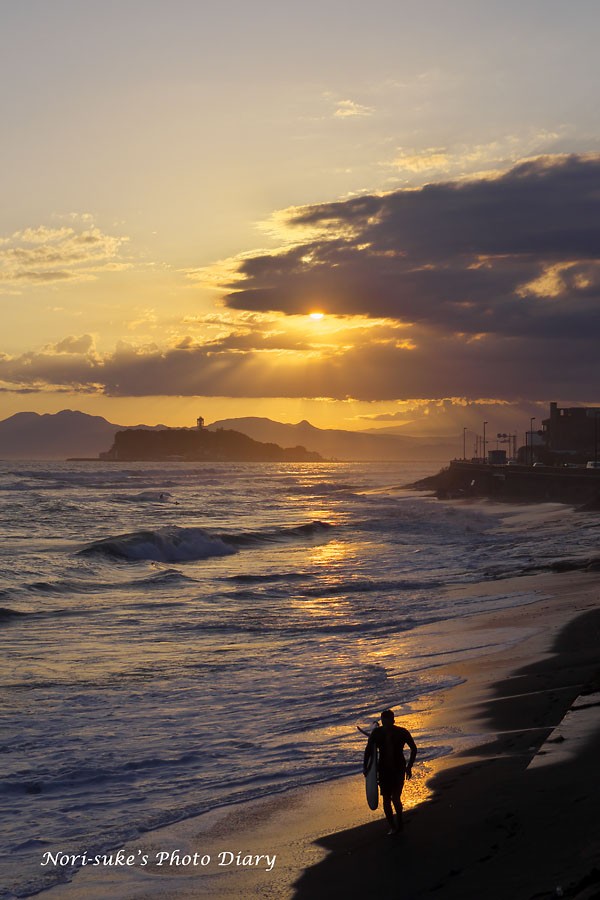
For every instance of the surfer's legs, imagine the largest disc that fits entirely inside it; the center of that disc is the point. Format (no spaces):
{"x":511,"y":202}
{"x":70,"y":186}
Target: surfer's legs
{"x":391,"y":794}
{"x":387,"y":808}
{"x":397,"y":802}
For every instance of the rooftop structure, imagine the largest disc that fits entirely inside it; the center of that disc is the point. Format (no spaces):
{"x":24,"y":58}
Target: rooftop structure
{"x":573,"y":430}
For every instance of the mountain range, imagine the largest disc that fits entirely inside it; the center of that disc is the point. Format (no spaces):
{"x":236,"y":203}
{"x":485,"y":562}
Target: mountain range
{"x":344,"y":445}
{"x":29,"y":435}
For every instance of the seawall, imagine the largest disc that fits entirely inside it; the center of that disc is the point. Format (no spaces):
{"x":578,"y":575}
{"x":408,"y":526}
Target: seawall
{"x":579,"y":487}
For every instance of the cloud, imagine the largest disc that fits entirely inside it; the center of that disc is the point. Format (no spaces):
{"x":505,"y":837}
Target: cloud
{"x":424,"y":160}
{"x":482,"y":288}
{"x":83,"y":344}
{"x":368,"y":364}
{"x":460,"y":257}
{"x":349,"y":109}
{"x":449,"y":415}
{"x":146,"y":317}
{"x":44,"y":255}
{"x":460,"y":158}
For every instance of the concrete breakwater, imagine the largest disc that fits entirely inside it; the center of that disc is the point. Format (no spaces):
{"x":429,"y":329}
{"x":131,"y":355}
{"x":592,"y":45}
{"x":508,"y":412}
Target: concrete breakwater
{"x":578,"y":487}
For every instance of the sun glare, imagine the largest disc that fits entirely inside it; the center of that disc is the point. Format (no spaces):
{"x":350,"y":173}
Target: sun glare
{"x":316,"y":315}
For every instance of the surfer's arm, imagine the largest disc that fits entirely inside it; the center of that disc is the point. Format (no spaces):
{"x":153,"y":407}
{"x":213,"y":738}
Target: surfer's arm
{"x":413,"y":753}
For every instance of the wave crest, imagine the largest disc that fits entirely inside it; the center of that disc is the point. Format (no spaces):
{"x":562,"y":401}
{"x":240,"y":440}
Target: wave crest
{"x":174,"y":544}
{"x":162,"y":545}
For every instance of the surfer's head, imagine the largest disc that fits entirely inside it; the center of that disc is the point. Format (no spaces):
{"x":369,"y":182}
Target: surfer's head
{"x":387,"y":717}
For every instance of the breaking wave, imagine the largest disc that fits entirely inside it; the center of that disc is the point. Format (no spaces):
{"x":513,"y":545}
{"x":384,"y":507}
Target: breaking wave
{"x":174,"y":544}
{"x":162,"y":545}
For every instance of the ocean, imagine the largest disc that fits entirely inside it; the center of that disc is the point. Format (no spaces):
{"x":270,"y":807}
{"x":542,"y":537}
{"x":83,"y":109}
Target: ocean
{"x":177,"y":637}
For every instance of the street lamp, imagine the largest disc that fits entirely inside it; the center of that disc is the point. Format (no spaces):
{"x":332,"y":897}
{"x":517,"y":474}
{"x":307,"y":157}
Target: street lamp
{"x":531,"y":421}
{"x":484,"y":443}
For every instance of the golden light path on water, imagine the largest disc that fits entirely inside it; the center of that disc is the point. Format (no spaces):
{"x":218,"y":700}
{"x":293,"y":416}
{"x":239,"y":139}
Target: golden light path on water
{"x":327,"y":605}
{"x":330,"y":557}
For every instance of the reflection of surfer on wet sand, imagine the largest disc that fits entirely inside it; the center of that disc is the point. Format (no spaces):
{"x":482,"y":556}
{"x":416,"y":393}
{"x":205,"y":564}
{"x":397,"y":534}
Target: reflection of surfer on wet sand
{"x":385,"y":748}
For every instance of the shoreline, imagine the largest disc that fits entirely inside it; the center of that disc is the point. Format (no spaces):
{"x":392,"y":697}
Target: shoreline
{"x":326,"y":840}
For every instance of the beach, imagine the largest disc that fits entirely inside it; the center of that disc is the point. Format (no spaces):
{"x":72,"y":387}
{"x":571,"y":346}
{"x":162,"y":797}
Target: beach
{"x":511,"y":812}
{"x":299,"y":426}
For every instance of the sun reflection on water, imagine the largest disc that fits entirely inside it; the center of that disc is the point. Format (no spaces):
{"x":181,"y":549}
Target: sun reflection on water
{"x":332,"y":553}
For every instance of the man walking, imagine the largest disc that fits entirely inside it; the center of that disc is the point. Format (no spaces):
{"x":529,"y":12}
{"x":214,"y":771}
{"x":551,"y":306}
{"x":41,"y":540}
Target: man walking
{"x":389,"y":742}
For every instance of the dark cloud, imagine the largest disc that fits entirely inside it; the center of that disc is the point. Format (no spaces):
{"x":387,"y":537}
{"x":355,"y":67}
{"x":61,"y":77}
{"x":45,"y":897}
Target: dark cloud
{"x":547,"y":206}
{"x":368,"y":370}
{"x":517,"y":255}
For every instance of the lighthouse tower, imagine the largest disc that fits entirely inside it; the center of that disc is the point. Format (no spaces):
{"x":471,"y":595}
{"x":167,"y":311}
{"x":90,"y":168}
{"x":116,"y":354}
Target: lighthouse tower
{"x":200,"y":423}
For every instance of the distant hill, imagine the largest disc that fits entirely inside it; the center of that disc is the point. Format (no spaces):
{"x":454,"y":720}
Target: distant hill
{"x":344,"y":445}
{"x":28,"y":435}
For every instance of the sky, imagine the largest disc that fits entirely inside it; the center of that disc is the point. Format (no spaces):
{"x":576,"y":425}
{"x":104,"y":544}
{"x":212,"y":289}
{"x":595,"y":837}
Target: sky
{"x":363,"y":215}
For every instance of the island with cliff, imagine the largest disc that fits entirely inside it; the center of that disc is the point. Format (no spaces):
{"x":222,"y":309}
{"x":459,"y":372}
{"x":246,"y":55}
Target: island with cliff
{"x":199,"y":445}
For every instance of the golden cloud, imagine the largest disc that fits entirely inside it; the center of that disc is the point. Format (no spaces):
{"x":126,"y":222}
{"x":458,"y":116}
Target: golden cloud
{"x":349,"y":109}
{"x":40,"y":255}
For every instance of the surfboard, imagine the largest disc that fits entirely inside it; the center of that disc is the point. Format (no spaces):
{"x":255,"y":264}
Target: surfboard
{"x":371,"y":786}
{"x":371,"y":783}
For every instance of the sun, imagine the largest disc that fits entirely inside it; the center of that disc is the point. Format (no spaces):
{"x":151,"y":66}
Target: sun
{"x":316,"y":315}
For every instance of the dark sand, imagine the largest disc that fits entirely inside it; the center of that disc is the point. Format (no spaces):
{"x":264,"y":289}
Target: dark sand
{"x":515,"y":815}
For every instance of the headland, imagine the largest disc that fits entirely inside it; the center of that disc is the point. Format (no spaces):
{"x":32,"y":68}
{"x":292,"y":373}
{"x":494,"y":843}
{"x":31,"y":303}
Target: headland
{"x":199,"y":445}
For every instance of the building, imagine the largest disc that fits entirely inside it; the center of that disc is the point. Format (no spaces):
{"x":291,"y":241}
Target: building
{"x":573,"y":431}
{"x":497,"y":457}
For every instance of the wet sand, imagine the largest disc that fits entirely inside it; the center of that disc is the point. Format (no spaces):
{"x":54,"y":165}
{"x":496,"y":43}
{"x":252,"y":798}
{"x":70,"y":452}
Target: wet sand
{"x":513,"y":813}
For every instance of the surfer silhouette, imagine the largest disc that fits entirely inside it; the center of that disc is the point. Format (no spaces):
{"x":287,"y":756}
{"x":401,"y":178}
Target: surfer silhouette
{"x":388,"y":742}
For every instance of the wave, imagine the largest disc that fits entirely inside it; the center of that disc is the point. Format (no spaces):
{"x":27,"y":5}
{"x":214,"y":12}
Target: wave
{"x":170,"y":576}
{"x":275,"y":576}
{"x":370,"y":585}
{"x":175,"y":544}
{"x":49,"y":587}
{"x":6,"y":614}
{"x":325,"y":487}
{"x":66,"y":587}
{"x":144,"y":497}
{"x":282,"y":533}
{"x":162,"y":545}
{"x":38,"y":781}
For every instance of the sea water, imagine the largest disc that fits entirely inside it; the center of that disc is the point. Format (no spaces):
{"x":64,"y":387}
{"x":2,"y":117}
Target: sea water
{"x":177,"y":636}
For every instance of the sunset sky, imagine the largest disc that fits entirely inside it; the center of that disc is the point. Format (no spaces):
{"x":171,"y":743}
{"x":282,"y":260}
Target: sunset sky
{"x":359,"y":214}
